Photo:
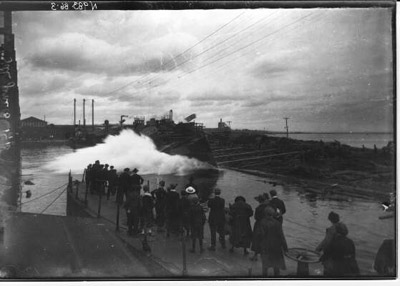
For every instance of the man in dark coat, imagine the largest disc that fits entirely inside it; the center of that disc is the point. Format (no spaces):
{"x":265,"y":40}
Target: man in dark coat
{"x":216,"y":219}
{"x":147,"y":210}
{"x":184,"y":205}
{"x":172,"y":212}
{"x":278,"y":204}
{"x":325,"y":245}
{"x":132,"y":207}
{"x":124,"y":182}
{"x":88,"y":175}
{"x":241,"y":235}
{"x":136,"y":180}
{"x":94,"y":186}
{"x":273,"y":243}
{"x":112,"y":182}
{"x":197,"y":220}
{"x":160,"y":195}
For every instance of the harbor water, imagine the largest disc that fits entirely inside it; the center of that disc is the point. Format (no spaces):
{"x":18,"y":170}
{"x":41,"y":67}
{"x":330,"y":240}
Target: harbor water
{"x":304,"y":223}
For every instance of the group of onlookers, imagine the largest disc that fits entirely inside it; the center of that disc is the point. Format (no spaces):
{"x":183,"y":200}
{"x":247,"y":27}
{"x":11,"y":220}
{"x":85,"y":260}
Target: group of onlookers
{"x":183,"y":213}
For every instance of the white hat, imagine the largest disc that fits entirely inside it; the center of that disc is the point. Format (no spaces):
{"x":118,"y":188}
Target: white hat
{"x":190,"y":190}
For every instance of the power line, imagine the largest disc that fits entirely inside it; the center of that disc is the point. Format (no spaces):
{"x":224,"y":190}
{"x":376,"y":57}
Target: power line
{"x":219,"y":43}
{"x":216,"y":45}
{"x":223,"y":26}
{"x":246,"y":46}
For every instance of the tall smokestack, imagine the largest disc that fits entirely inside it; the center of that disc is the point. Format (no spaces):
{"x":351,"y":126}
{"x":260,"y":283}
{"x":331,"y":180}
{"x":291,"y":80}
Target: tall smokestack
{"x":74,"y":112}
{"x":84,"y":118}
{"x":93,"y":114}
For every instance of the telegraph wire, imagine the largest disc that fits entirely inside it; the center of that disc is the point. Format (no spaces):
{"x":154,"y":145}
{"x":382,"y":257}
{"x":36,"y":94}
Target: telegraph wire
{"x":218,"y":52}
{"x":182,"y":52}
{"x":246,"y":46}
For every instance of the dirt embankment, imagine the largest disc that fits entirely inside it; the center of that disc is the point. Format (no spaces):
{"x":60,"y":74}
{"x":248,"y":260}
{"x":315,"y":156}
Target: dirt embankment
{"x":328,"y":169}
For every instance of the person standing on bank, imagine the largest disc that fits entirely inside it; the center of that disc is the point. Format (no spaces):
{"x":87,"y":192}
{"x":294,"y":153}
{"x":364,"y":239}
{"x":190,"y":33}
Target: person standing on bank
{"x":216,"y":219}
{"x":343,"y":254}
{"x":259,"y":214}
{"x":160,"y":195}
{"x":132,"y":207}
{"x":278,"y":204}
{"x":325,"y":245}
{"x":112,"y":182}
{"x":124,"y":184}
{"x":197,"y":220}
{"x":273,"y":243}
{"x":172,"y":210}
{"x":241,"y":235}
{"x":136,"y":180}
{"x":184,"y":206}
{"x":147,"y":210}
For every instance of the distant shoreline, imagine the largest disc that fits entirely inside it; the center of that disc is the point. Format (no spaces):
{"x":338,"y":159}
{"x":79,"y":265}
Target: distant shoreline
{"x":302,"y":132}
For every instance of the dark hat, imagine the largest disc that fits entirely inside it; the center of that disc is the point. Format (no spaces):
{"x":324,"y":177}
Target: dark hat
{"x":217,"y":191}
{"x":269,"y":211}
{"x":111,"y":167}
{"x":260,"y":198}
{"x":135,"y":170}
{"x":273,"y":193}
{"x":126,"y":169}
{"x":240,"y":198}
{"x":341,"y":229}
{"x":97,"y":161}
{"x":106,"y":165}
{"x":333,"y":217}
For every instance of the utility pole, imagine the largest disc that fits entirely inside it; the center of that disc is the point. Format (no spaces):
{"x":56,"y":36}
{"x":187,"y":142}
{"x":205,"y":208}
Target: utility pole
{"x":84,"y":117}
{"x":287,"y":127}
{"x":74,"y":112}
{"x":93,"y":114}
{"x":122,"y":119}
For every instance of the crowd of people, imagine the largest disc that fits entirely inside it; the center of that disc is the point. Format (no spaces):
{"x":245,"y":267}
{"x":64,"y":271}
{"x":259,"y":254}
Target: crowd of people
{"x":183,"y":213}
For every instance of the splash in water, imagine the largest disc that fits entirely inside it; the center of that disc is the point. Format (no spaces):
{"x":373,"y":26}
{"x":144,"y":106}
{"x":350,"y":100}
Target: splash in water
{"x":127,"y":150}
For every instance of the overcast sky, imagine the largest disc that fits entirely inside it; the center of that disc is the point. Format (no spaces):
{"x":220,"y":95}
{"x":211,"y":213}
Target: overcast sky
{"x":325,"y":69}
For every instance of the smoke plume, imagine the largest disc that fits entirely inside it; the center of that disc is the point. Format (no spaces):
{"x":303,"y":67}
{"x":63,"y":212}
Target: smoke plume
{"x":127,"y":150}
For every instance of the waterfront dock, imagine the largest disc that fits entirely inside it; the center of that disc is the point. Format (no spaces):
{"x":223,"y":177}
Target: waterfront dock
{"x":47,"y":246}
{"x":169,"y":253}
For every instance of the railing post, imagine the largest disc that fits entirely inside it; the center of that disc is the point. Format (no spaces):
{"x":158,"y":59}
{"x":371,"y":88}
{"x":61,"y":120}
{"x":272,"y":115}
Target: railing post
{"x":184,"y":271}
{"x":86,"y":194}
{"x":117,"y":224}
{"x":77,"y":189}
{"x":100,"y":196}
{"x":69,"y":182}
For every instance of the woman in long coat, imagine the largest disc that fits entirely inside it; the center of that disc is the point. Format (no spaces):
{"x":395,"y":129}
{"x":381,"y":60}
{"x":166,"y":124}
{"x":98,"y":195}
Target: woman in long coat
{"x":259,"y":214}
{"x":241,"y":234}
{"x":273,"y":243}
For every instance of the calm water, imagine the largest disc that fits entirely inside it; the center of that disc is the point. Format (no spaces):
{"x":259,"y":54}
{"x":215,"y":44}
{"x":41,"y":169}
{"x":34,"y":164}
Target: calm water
{"x":304,"y":223}
{"x":351,"y":139}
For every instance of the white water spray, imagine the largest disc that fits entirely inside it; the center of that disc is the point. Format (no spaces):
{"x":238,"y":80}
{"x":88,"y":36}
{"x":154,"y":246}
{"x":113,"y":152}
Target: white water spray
{"x":127,"y":150}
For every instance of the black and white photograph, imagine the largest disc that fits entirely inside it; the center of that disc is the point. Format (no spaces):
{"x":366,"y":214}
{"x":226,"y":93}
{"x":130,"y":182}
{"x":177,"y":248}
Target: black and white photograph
{"x":198,"y":140}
